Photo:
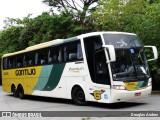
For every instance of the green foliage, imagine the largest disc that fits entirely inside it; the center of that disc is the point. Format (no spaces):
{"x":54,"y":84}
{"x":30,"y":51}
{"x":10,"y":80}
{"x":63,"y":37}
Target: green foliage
{"x":20,"y":34}
{"x":9,"y":40}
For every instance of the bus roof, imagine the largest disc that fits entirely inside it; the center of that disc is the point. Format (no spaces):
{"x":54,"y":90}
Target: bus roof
{"x":42,"y":45}
{"x":60,"y":41}
{"x":35,"y":47}
{"x":104,"y":32}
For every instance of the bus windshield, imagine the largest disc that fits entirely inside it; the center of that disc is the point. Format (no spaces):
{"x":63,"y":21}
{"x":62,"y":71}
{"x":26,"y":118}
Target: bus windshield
{"x":131,"y":63}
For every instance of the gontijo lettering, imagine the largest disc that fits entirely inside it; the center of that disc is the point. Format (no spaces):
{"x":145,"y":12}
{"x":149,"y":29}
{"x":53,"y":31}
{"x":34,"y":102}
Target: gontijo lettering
{"x":25,"y":72}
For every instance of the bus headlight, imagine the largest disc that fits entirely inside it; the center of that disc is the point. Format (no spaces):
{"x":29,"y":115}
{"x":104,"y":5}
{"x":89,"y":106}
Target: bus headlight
{"x":118,"y":87}
{"x":150,"y":83}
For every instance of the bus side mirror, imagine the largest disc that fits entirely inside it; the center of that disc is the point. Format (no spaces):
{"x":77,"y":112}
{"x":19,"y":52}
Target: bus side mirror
{"x":155,"y":53}
{"x":111,"y":52}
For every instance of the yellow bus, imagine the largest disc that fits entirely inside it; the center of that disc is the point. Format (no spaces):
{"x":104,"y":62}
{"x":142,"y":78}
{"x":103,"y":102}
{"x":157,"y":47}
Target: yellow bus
{"x":106,"y":67}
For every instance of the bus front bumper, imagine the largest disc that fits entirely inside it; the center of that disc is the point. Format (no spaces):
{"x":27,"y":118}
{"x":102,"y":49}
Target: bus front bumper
{"x":125,"y":95}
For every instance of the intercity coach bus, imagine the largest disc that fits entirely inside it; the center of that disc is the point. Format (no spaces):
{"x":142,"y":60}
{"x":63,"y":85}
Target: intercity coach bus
{"x":105,"y":67}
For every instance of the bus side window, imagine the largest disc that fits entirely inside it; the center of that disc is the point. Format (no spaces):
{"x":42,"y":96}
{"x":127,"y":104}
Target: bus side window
{"x":53,"y":55}
{"x":43,"y":56}
{"x":5,"y":63}
{"x":79,"y":51}
{"x":65,"y":53}
{"x":73,"y":52}
{"x":12,"y":62}
{"x":9,"y":63}
{"x":29,"y":59}
{"x":60,"y":55}
{"x":19,"y":61}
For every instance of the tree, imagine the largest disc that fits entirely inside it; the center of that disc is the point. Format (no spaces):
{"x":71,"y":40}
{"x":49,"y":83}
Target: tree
{"x":9,"y":39}
{"x":78,"y":8}
{"x":119,"y":15}
{"x":43,"y":28}
{"x":153,"y":1}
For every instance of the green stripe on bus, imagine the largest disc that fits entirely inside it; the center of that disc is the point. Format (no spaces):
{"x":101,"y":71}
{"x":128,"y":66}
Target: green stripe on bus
{"x":43,"y":78}
{"x":145,"y":83}
{"x":142,"y":84}
{"x":54,"y":77}
{"x":139,"y":85}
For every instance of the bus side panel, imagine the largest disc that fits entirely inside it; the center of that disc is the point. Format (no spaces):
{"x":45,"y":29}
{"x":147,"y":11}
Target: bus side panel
{"x":40,"y":80}
{"x":9,"y":79}
{"x":51,"y":82}
{"x":6,"y":85}
{"x":27,"y":77}
{"x":76,"y":75}
{"x":58,"y":92}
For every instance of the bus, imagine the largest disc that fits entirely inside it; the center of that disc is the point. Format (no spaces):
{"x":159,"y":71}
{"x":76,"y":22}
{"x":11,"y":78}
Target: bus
{"x":104,"y":67}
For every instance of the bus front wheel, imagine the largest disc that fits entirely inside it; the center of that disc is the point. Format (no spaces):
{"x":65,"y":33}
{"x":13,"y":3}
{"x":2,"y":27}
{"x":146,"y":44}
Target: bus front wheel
{"x":78,"y":96}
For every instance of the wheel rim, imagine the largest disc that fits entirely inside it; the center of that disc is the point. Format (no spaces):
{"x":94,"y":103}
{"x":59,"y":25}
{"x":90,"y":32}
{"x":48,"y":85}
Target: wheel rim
{"x":80,"y":96}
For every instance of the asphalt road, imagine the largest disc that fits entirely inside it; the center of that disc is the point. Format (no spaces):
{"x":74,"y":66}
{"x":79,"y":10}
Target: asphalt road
{"x":36,"y":103}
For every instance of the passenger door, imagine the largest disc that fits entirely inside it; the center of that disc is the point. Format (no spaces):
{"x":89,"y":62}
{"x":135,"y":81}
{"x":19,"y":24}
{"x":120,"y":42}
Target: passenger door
{"x":98,"y":69}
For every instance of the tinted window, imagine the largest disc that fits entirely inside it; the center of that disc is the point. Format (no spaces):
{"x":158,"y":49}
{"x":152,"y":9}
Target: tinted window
{"x":122,"y":40}
{"x":92,"y":44}
{"x":55,"y":55}
{"x":72,"y":51}
{"x":42,"y":57}
{"x":64,"y":53}
{"x":5,"y":63}
{"x":101,"y":68}
{"x":12,"y":62}
{"x":29,"y":59}
{"x":19,"y":62}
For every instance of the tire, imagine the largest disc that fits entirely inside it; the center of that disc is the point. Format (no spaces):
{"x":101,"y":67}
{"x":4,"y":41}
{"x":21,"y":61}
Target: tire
{"x":21,"y":92}
{"x":14,"y":91}
{"x":78,"y":96}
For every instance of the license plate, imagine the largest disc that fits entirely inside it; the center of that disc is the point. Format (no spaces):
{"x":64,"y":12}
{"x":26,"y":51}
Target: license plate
{"x":137,"y":94}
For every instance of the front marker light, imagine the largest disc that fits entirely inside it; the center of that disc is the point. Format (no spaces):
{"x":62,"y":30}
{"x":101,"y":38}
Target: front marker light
{"x":118,"y":87}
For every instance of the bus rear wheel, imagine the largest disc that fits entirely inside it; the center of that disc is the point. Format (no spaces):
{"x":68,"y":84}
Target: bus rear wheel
{"x":21,"y":92}
{"x":78,"y":96}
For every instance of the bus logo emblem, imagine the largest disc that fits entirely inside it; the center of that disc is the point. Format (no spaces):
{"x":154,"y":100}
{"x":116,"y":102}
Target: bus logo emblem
{"x":97,"y":94}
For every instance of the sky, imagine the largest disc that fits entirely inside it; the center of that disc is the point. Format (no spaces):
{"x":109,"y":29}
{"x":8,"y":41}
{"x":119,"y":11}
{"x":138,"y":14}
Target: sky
{"x":20,"y":9}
